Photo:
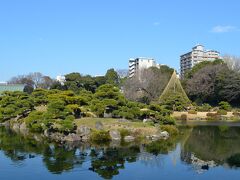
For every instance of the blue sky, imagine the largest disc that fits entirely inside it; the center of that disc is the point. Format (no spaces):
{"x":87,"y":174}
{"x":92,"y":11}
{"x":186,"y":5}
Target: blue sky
{"x":90,"y":36}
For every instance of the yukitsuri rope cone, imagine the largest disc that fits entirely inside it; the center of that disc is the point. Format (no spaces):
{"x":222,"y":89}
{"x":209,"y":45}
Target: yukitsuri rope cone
{"x":174,"y":91}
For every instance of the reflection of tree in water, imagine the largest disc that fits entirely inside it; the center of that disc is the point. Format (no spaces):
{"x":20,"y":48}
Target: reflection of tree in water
{"x":217,"y":144}
{"x":234,"y":161}
{"x":108,"y":162}
{"x":57,"y":159}
{"x":16,"y":147}
{"x":161,"y":146}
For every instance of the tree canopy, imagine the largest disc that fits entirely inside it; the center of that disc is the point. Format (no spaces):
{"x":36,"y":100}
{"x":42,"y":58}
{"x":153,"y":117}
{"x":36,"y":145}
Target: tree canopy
{"x":213,"y":82}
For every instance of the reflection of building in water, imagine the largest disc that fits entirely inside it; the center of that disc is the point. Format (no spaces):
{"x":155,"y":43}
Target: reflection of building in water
{"x":151,"y":160}
{"x":198,"y":165}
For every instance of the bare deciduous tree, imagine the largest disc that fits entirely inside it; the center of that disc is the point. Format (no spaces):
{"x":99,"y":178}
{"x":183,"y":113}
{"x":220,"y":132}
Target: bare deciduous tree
{"x":233,"y":62}
{"x":148,"y":84}
{"x":35,"y":79}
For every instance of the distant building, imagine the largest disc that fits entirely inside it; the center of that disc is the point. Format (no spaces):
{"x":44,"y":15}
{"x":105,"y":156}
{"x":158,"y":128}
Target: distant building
{"x":61,"y":79}
{"x":138,"y":64}
{"x":3,"y":83}
{"x":11,"y":87}
{"x":197,"y":55}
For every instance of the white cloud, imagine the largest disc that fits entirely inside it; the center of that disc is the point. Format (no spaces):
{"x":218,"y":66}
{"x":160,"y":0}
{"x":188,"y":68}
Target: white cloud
{"x":156,"y":23}
{"x":223,"y":29}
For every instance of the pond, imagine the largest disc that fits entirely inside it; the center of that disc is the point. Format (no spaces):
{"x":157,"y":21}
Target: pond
{"x":200,"y":152}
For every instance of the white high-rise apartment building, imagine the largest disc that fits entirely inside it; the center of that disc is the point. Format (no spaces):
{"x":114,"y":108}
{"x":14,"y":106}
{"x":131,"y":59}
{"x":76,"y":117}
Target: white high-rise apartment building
{"x":197,"y":55}
{"x":138,"y":64}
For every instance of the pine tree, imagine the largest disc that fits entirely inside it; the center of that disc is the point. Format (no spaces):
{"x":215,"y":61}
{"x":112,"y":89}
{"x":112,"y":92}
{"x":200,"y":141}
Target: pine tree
{"x":174,"y":95}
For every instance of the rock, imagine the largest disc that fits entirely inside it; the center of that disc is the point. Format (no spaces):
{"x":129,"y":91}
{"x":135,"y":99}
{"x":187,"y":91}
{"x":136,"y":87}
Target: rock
{"x":129,"y":138}
{"x":46,"y":133}
{"x":99,"y":125}
{"x":147,"y":121}
{"x":83,"y":131}
{"x":7,"y":124}
{"x":149,"y":137}
{"x":72,"y":138}
{"x":16,"y":127}
{"x":115,"y":143}
{"x":37,"y":138}
{"x":107,"y":115}
{"x":18,"y":117}
{"x":85,"y":138}
{"x":23,"y":128}
{"x":156,"y":137}
{"x":164,"y":135}
{"x":115,"y":135}
{"x":58,"y":137}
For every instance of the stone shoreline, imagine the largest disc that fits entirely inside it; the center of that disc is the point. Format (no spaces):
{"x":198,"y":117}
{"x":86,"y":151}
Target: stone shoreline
{"x":82,"y":134}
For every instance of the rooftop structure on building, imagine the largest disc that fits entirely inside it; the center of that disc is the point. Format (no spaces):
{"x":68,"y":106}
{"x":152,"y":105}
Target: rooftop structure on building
{"x":141,"y":63}
{"x":197,"y":55}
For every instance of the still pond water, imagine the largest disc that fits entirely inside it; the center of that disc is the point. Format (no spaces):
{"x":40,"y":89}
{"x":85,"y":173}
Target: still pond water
{"x":201,"y":152}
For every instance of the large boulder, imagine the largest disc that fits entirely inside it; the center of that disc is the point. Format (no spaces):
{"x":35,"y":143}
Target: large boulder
{"x":164,"y":135}
{"x":72,"y":138}
{"x":16,"y":126}
{"x":115,"y":135}
{"x":85,"y":138}
{"x":46,"y":133}
{"x":83,"y":131}
{"x":99,"y":125}
{"x":156,"y":137}
{"x":129,"y":138}
{"x":23,"y":128}
{"x":58,"y":137}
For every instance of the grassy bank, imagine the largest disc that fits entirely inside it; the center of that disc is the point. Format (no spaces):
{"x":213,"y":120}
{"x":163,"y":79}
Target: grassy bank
{"x":118,"y":124}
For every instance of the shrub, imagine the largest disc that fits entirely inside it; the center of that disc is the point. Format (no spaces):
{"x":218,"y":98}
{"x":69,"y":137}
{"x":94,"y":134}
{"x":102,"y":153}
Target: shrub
{"x":192,"y":111}
{"x":165,"y":119}
{"x":213,"y":116}
{"x":234,"y":118}
{"x":100,"y":136}
{"x":161,"y":109}
{"x":172,"y":130}
{"x":65,"y":126}
{"x":40,"y":96}
{"x":184,"y":117}
{"x":225,"y":106}
{"x":222,"y":112}
{"x":124,"y":132}
{"x":36,"y":122}
{"x":75,"y":110}
{"x":128,"y":113}
{"x":236,"y":113}
{"x":204,"y":108}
